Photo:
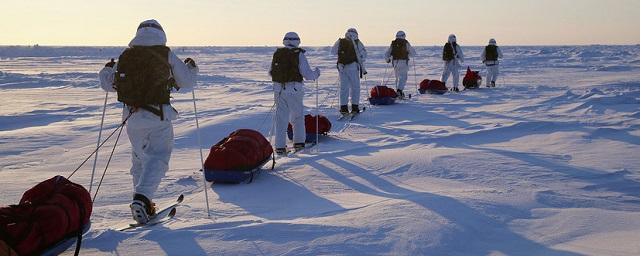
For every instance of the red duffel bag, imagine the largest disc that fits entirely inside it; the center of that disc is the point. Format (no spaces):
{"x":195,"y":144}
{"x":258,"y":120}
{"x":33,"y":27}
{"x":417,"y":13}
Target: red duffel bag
{"x":381,"y":91}
{"x":243,"y":150}
{"x":48,"y":213}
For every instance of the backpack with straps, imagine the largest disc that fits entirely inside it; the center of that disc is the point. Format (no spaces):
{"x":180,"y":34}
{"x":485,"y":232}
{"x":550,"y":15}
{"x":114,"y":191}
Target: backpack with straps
{"x":284,"y":66}
{"x":448,"y":52}
{"x":143,"y":76}
{"x":399,"y":49}
{"x":346,"y":52}
{"x":491,"y":53}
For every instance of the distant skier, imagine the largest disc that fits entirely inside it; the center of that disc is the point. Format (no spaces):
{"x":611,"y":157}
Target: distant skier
{"x":453,"y":57}
{"x":399,"y":54}
{"x":145,"y":74}
{"x":351,"y":57}
{"x":288,"y":68}
{"x":490,"y":56}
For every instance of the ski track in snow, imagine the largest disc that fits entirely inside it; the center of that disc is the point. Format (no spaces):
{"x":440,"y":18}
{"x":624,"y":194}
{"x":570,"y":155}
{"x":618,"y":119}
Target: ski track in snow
{"x":547,"y":163}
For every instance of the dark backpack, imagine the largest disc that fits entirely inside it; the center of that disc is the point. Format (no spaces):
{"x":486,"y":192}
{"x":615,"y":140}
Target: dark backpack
{"x":448,"y":52}
{"x":284,"y":66}
{"x":346,"y":52}
{"x":399,"y":49}
{"x":143,"y":76}
{"x":491,"y":53}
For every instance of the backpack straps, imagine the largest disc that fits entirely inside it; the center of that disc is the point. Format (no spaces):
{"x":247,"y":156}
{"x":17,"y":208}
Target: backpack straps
{"x":158,"y":112}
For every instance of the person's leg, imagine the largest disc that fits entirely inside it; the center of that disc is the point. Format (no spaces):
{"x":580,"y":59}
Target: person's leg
{"x":355,"y":84}
{"x":296,"y":114}
{"x":445,"y":73}
{"x":157,"y":153}
{"x":282,"y":119}
{"x":402,"y":72}
{"x":455,"y":72}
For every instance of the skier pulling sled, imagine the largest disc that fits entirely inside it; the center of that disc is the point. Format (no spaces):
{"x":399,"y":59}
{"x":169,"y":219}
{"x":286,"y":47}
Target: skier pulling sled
{"x":432,"y":87}
{"x":323,"y":127}
{"x":398,"y":54}
{"x":238,"y":157}
{"x":382,"y":95}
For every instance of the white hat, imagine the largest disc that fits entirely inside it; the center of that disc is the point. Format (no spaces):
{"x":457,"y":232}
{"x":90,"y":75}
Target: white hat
{"x":352,"y":33}
{"x":492,"y":41}
{"x":452,"y":38}
{"x":401,"y":34}
{"x":291,"y":39}
{"x":149,"y":33}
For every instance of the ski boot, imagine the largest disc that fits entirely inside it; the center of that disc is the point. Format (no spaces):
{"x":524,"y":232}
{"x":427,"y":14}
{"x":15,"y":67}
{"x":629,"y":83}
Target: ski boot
{"x":400,"y":94}
{"x":142,"y":208}
{"x":355,"y":109}
{"x":493,"y":84}
{"x":298,"y":146}
{"x":455,"y":89}
{"x":344,"y":110}
{"x":281,"y":151}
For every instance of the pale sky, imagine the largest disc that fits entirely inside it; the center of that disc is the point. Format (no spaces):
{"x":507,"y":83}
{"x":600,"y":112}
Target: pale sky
{"x":321,"y":22}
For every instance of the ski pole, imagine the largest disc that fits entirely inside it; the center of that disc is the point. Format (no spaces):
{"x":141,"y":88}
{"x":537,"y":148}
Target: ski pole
{"x":204,"y":179}
{"x":95,"y":160}
{"x":317,"y":118}
{"x":415,"y":76}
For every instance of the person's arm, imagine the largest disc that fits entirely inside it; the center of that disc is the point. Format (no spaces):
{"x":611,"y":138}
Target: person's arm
{"x":412,"y":51}
{"x":483,"y":55}
{"x":499,"y":53}
{"x":305,"y":69}
{"x":460,"y":54}
{"x":107,"y":76}
{"x":335,"y":48}
{"x":362,"y":52}
{"x":184,"y":74}
{"x":387,"y":55}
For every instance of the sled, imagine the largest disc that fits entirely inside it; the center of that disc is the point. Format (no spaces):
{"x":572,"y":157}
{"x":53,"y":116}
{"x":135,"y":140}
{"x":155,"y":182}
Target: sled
{"x":382,"y":100}
{"x":235,"y":176}
{"x":65,"y":244}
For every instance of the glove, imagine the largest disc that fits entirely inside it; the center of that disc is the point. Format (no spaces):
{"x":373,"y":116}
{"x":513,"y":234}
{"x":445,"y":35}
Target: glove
{"x":110,"y":64}
{"x":190,"y":62}
{"x":388,"y":60}
{"x":318,"y":71}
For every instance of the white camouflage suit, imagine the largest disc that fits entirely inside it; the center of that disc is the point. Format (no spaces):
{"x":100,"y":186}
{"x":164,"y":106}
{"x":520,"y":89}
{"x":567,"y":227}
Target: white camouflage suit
{"x":151,"y":138}
{"x":350,"y":73}
{"x":452,"y":67}
{"x":288,"y":98}
{"x":400,"y":67}
{"x":492,"y":66}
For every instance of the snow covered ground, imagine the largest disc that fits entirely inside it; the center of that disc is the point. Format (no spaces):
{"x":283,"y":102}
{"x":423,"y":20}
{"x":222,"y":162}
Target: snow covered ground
{"x":547,"y":163}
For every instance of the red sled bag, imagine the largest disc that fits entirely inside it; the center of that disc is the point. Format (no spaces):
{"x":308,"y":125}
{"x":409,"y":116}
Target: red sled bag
{"x":324,"y":126}
{"x":237,"y":157}
{"x":432,"y":87}
{"x":472,"y":79}
{"x":48,"y":214}
{"x":382,"y":95}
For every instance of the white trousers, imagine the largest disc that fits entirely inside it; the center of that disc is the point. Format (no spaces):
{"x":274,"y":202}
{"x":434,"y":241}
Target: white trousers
{"x":492,"y":73}
{"x":289,"y":108}
{"x":349,"y":83}
{"x":151,"y":142}
{"x":451,"y":68}
{"x":401,"y":69}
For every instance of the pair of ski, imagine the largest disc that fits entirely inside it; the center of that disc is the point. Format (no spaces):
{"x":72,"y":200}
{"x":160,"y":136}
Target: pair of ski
{"x":350,"y":116}
{"x":164,"y":213}
{"x":292,"y":151}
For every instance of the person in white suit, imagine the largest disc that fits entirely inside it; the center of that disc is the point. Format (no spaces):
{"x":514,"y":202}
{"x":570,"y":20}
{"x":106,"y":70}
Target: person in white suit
{"x":351,"y":58}
{"x":398,"y":55}
{"x":490,"y":55}
{"x":453,"y":57}
{"x":149,"y":126}
{"x":289,"y":68}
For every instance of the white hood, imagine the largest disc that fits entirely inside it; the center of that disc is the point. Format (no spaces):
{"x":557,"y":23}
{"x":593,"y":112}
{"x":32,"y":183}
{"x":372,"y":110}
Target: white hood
{"x":492,"y":41}
{"x":352,"y":33}
{"x":401,"y":34}
{"x":452,"y":38}
{"x":291,"y":40}
{"x":149,"y":33}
